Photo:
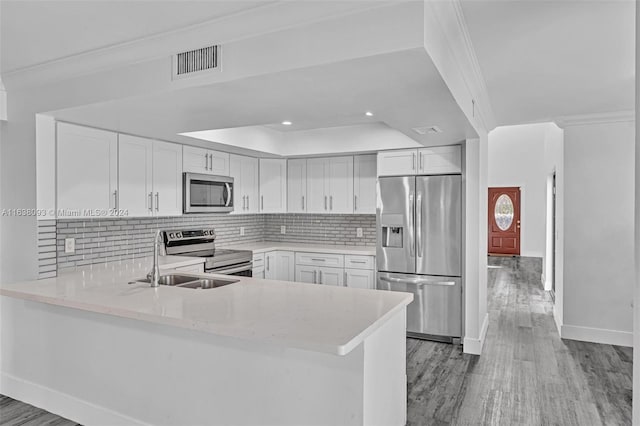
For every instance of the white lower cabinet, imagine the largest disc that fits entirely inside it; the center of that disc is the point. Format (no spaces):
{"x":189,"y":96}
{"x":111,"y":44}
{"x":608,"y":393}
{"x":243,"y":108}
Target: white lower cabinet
{"x":331,"y":276}
{"x":359,"y":278}
{"x":279,"y":265}
{"x":258,"y":272}
{"x":306,"y":274}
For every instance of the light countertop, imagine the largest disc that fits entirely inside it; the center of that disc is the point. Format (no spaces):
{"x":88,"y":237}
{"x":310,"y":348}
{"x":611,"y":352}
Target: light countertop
{"x":304,"y":316}
{"x":265,"y":246}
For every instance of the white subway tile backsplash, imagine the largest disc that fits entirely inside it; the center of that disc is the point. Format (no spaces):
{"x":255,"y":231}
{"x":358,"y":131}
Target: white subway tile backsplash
{"x":106,"y":240}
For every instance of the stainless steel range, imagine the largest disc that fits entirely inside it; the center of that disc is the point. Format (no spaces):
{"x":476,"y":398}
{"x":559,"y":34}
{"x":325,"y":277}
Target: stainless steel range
{"x":201,"y":243}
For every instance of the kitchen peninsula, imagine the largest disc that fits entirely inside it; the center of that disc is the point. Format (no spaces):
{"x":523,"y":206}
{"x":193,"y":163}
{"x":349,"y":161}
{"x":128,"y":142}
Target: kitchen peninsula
{"x":92,"y":347}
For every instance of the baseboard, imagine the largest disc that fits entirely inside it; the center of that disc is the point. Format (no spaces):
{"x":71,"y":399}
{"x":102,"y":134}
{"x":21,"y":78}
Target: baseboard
{"x":597,"y":335}
{"x":556,"y":319}
{"x":474,"y":346}
{"x":62,"y":404}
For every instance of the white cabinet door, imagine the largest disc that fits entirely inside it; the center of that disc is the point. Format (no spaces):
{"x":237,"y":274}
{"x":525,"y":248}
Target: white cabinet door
{"x":440,"y":159}
{"x":250,"y":184}
{"x":87,"y":168}
{"x":398,"y":163}
{"x":306,"y":274}
{"x":340,"y":184}
{"x":135,"y":175}
{"x":270,"y":265}
{"x":167,"y":179}
{"x":358,"y":278}
{"x":364,"y":184}
{"x":297,"y":185}
{"x":195,"y":160}
{"x":235,"y":171}
{"x":285,"y":266}
{"x":200,"y":160}
{"x":316,"y":176}
{"x":192,"y":269}
{"x":273,"y":185}
{"x":331,"y":276}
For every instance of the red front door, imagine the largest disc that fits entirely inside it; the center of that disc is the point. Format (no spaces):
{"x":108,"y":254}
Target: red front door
{"x":504,"y":221}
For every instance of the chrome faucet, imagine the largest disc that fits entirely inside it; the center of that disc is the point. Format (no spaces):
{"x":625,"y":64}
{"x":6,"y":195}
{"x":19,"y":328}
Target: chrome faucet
{"x":154,"y":275}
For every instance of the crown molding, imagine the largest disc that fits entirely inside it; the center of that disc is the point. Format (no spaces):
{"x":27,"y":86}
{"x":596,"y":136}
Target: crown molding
{"x":455,"y":55}
{"x":260,"y":20}
{"x":600,"y":118}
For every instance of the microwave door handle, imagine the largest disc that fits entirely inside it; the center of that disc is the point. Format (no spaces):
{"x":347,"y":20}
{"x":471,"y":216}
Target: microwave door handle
{"x":226,"y":204}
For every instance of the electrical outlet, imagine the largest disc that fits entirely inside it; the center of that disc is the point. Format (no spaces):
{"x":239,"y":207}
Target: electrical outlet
{"x":69,"y":245}
{"x":283,"y":229}
{"x":359,"y":232}
{"x":242,"y":231}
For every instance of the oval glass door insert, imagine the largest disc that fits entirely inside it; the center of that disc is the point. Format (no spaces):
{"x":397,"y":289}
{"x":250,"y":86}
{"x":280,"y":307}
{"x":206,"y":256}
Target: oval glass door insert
{"x":503,"y":212}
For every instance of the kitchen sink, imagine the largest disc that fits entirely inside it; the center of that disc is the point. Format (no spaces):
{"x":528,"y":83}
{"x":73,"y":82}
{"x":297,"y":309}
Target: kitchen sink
{"x":188,"y":281}
{"x":170,"y":279}
{"x":205,"y":283}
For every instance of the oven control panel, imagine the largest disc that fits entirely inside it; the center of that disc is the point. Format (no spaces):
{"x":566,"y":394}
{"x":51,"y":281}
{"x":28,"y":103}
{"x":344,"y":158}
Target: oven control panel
{"x":190,"y":234}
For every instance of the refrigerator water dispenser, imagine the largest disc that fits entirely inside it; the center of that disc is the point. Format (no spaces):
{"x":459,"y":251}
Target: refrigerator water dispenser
{"x":392,"y":236}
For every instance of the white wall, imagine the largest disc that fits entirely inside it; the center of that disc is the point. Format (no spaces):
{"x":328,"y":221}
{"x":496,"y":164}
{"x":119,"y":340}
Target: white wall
{"x":517,"y":158}
{"x":598,"y":232}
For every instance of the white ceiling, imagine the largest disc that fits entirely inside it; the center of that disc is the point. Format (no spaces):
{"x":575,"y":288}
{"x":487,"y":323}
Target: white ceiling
{"x":49,"y":30}
{"x":403,"y":89}
{"x":547,"y":59}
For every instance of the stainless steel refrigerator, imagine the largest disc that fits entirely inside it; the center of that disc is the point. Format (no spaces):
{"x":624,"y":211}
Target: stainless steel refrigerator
{"x":419,"y":250}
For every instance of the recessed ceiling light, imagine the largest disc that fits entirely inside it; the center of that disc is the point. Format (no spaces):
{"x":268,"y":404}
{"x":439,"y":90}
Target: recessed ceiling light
{"x":287,"y":123}
{"x":368,"y":114}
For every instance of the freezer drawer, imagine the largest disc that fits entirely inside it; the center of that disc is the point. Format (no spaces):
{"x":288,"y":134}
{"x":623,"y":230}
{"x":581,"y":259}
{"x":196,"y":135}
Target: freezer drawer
{"x":436,"y":310}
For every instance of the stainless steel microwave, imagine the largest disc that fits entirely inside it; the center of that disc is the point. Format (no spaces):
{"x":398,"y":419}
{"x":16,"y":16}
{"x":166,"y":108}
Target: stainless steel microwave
{"x":206,"y":193}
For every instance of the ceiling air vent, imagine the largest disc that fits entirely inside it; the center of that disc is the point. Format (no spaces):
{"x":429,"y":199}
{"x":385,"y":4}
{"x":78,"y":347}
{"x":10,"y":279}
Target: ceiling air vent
{"x":196,"y":61}
{"x":427,"y":130}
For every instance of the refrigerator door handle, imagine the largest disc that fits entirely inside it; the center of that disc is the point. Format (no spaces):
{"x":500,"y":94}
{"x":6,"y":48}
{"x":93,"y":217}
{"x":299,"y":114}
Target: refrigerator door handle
{"x":412,"y":221}
{"x":419,"y":224}
{"x":417,"y":281}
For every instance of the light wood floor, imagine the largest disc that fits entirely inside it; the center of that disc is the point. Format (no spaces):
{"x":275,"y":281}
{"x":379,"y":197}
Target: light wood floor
{"x":527,"y":375}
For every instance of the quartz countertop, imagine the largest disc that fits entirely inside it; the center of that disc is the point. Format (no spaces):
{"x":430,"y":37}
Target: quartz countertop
{"x":304,"y":316}
{"x":265,"y":246}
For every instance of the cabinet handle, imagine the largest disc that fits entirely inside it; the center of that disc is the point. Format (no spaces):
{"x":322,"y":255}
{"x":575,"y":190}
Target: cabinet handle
{"x":315,"y":281}
{"x":248,"y":202}
{"x":151,"y":201}
{"x":157,"y":201}
{"x":345,"y":279}
{"x":413,"y":159}
{"x":358,"y":261}
{"x":331,"y":202}
{"x":206,"y":161}
{"x":268,"y":263}
{"x":319,"y":277}
{"x":262,"y":202}
{"x":420,"y":160}
{"x":244,"y":197}
{"x":318,"y":260}
{"x":115,"y":199}
{"x":355,"y":203}
{"x":325,"y":202}
{"x":303,"y":202}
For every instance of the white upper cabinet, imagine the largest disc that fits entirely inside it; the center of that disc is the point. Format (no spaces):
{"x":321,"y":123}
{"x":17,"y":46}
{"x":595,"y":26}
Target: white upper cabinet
{"x":440,"y":159}
{"x":297,"y":185}
{"x":149,"y":177}
{"x":330,"y":185}
{"x":87,"y":168}
{"x":317,"y":174}
{"x":135,"y":175}
{"x":424,"y":161}
{"x":200,"y":160}
{"x":273,"y":185}
{"x":244,"y":171}
{"x":167,"y":179}
{"x":398,"y":163}
{"x":364,"y":184}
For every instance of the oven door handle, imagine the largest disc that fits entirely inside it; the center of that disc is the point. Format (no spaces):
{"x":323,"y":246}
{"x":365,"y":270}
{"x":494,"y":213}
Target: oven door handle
{"x":246,"y":267}
{"x":226,"y":204}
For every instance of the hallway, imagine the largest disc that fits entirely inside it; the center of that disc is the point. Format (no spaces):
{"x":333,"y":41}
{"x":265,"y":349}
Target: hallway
{"x":527,"y":375}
